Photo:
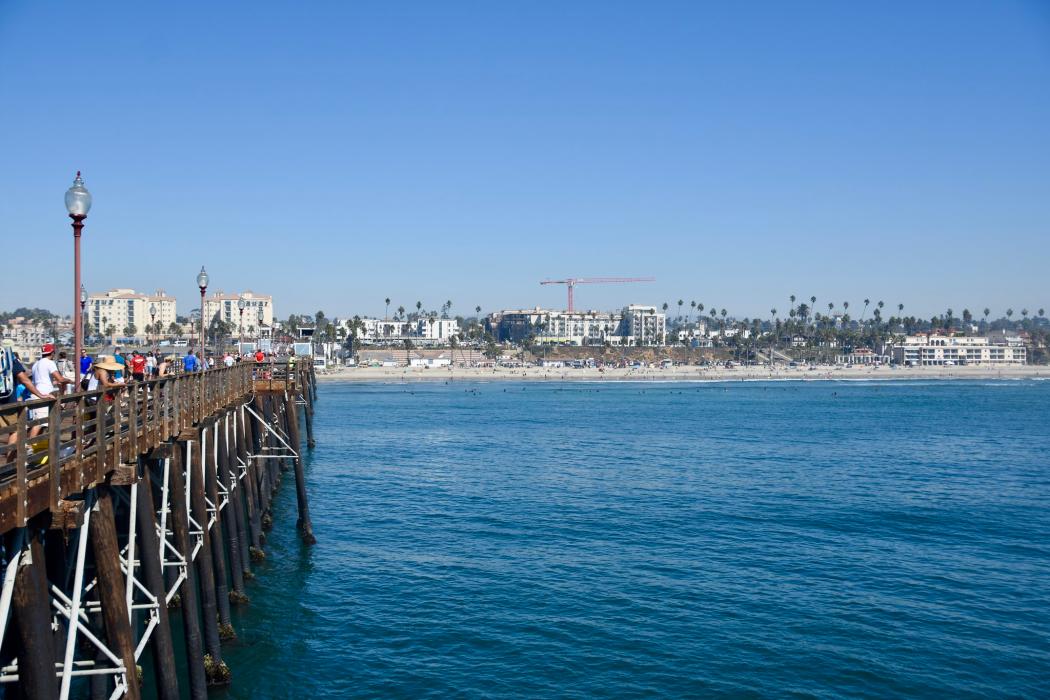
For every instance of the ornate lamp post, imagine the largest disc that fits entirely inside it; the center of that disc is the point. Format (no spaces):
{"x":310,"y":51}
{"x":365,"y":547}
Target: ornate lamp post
{"x":78,"y":204}
{"x":202,"y":283}
{"x":261,"y":317}
{"x":153,"y":322}
{"x":240,"y":328}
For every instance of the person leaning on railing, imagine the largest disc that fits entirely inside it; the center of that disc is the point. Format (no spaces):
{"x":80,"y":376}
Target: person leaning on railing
{"x":104,"y":375}
{"x":13,"y":374}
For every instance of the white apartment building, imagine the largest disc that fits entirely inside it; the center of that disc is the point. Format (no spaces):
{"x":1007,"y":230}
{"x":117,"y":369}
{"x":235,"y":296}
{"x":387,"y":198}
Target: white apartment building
{"x":226,"y":306}
{"x":123,"y":308}
{"x":934,"y":350}
{"x":438,"y":329}
{"x":634,"y":325}
{"x":433,"y":330}
{"x":645,"y":325}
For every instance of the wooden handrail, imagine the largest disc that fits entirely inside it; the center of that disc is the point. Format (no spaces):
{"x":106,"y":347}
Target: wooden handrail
{"x":88,"y":434}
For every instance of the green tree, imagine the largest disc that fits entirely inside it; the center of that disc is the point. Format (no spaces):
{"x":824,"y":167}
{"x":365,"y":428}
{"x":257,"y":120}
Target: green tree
{"x":386,"y":314}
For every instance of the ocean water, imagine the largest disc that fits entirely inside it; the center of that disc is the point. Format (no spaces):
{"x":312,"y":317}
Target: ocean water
{"x":767,"y":539}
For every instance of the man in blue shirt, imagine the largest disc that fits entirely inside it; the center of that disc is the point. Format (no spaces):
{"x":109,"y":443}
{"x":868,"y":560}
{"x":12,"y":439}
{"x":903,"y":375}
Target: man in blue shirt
{"x":85,"y":362}
{"x":189,"y":363}
{"x":119,"y":357}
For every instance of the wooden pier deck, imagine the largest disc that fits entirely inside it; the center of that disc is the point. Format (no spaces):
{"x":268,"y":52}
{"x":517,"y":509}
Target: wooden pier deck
{"x":170,"y":481}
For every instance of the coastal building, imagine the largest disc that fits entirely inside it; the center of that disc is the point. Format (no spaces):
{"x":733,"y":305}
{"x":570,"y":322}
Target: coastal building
{"x":429,"y":331}
{"x":226,"y":306}
{"x":928,"y":350}
{"x":633,"y":325}
{"x":644,"y":325}
{"x":440,"y":329}
{"x":122,"y":309}
{"x":25,"y":335}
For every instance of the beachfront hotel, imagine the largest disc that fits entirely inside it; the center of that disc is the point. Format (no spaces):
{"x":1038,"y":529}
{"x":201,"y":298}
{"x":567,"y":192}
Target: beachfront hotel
{"x":930,"y":350}
{"x":636,"y":324}
{"x":226,"y":306}
{"x":123,"y":308}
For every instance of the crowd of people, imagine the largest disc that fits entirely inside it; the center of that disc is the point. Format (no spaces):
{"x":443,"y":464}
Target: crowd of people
{"x":52,"y":375}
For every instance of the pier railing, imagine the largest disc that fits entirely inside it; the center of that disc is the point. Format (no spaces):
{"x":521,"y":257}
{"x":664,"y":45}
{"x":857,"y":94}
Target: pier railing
{"x":87,"y":435}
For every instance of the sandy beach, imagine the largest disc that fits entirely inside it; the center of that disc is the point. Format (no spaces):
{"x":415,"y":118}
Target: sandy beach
{"x":690,"y":373}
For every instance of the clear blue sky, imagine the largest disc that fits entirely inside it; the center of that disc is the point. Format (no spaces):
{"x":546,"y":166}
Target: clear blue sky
{"x":335,"y":153}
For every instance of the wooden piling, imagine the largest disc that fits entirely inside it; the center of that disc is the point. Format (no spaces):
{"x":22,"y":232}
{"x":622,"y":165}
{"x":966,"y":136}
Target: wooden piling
{"x":32,"y":621}
{"x":103,"y":532}
{"x":191,"y":624}
{"x":165,"y":675}
{"x":216,"y":669}
{"x":217,"y":534}
{"x":230,"y":514}
{"x":304,"y":524}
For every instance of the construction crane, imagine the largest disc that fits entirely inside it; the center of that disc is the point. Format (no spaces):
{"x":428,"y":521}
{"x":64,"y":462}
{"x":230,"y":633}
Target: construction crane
{"x":571,"y":283}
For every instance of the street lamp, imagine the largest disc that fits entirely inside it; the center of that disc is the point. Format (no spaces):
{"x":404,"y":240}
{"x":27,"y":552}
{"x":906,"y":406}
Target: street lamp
{"x":153,"y":320}
{"x":261,"y":317}
{"x":240,"y":328}
{"x":78,"y":204}
{"x":202,"y":282}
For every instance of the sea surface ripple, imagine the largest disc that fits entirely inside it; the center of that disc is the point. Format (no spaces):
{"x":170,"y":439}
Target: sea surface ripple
{"x":507,"y":540}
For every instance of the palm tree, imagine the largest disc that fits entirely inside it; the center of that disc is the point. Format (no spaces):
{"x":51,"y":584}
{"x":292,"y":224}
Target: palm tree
{"x":407,"y":342}
{"x":401,"y":312}
{"x":680,"y":302}
{"x":1009,"y":313}
{"x":448,"y":307}
{"x":386,"y":314}
{"x":693,"y":305}
{"x":812,"y":303}
{"x":792,"y":298}
{"x":865,"y":311}
{"x":419,"y":308}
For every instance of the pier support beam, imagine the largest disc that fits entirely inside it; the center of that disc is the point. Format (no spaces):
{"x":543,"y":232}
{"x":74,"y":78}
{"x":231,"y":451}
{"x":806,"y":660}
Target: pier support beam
{"x":191,"y":623}
{"x":111,"y":587}
{"x":217,"y":534}
{"x":32,"y":621}
{"x":231,"y":514}
{"x":217,"y":671}
{"x":161,"y":643}
{"x":304,"y":524}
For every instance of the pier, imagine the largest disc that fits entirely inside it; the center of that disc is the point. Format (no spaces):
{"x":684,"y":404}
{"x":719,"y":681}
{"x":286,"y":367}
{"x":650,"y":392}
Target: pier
{"x":124,"y":509}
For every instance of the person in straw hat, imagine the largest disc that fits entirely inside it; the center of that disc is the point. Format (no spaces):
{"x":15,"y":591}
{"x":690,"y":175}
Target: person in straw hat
{"x":104,"y":377}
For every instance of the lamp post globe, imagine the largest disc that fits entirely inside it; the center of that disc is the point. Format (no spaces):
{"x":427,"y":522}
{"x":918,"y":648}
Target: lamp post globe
{"x":241,"y":303}
{"x":153,"y":318}
{"x":202,"y":279}
{"x":83,"y":297}
{"x":78,"y":199}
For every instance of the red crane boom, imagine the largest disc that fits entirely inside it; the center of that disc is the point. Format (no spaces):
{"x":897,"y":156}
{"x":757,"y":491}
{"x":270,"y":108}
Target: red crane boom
{"x":571,"y":283}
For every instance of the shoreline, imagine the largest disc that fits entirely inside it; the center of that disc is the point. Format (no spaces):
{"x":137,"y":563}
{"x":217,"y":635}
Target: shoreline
{"x":402,"y":375}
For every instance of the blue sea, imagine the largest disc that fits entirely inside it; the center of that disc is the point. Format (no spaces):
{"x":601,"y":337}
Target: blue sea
{"x":638,"y":540}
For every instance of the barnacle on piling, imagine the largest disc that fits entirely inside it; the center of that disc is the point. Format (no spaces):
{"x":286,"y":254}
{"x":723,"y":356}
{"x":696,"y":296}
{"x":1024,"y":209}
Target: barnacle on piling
{"x":216,"y":673}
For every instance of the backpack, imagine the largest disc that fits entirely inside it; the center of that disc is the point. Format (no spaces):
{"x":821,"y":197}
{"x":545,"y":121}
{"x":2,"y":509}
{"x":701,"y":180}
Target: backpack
{"x":7,"y":373}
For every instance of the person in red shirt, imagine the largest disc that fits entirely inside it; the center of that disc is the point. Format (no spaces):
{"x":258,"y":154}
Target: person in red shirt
{"x":138,"y":367}
{"x":259,"y":356}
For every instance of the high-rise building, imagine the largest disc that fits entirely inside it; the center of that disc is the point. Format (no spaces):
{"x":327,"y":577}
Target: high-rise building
{"x":122,"y":309}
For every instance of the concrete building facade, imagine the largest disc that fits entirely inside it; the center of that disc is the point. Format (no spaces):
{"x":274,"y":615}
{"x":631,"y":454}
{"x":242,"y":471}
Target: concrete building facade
{"x":226,"y":306}
{"x":934,"y":350}
{"x":124,"y":308}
